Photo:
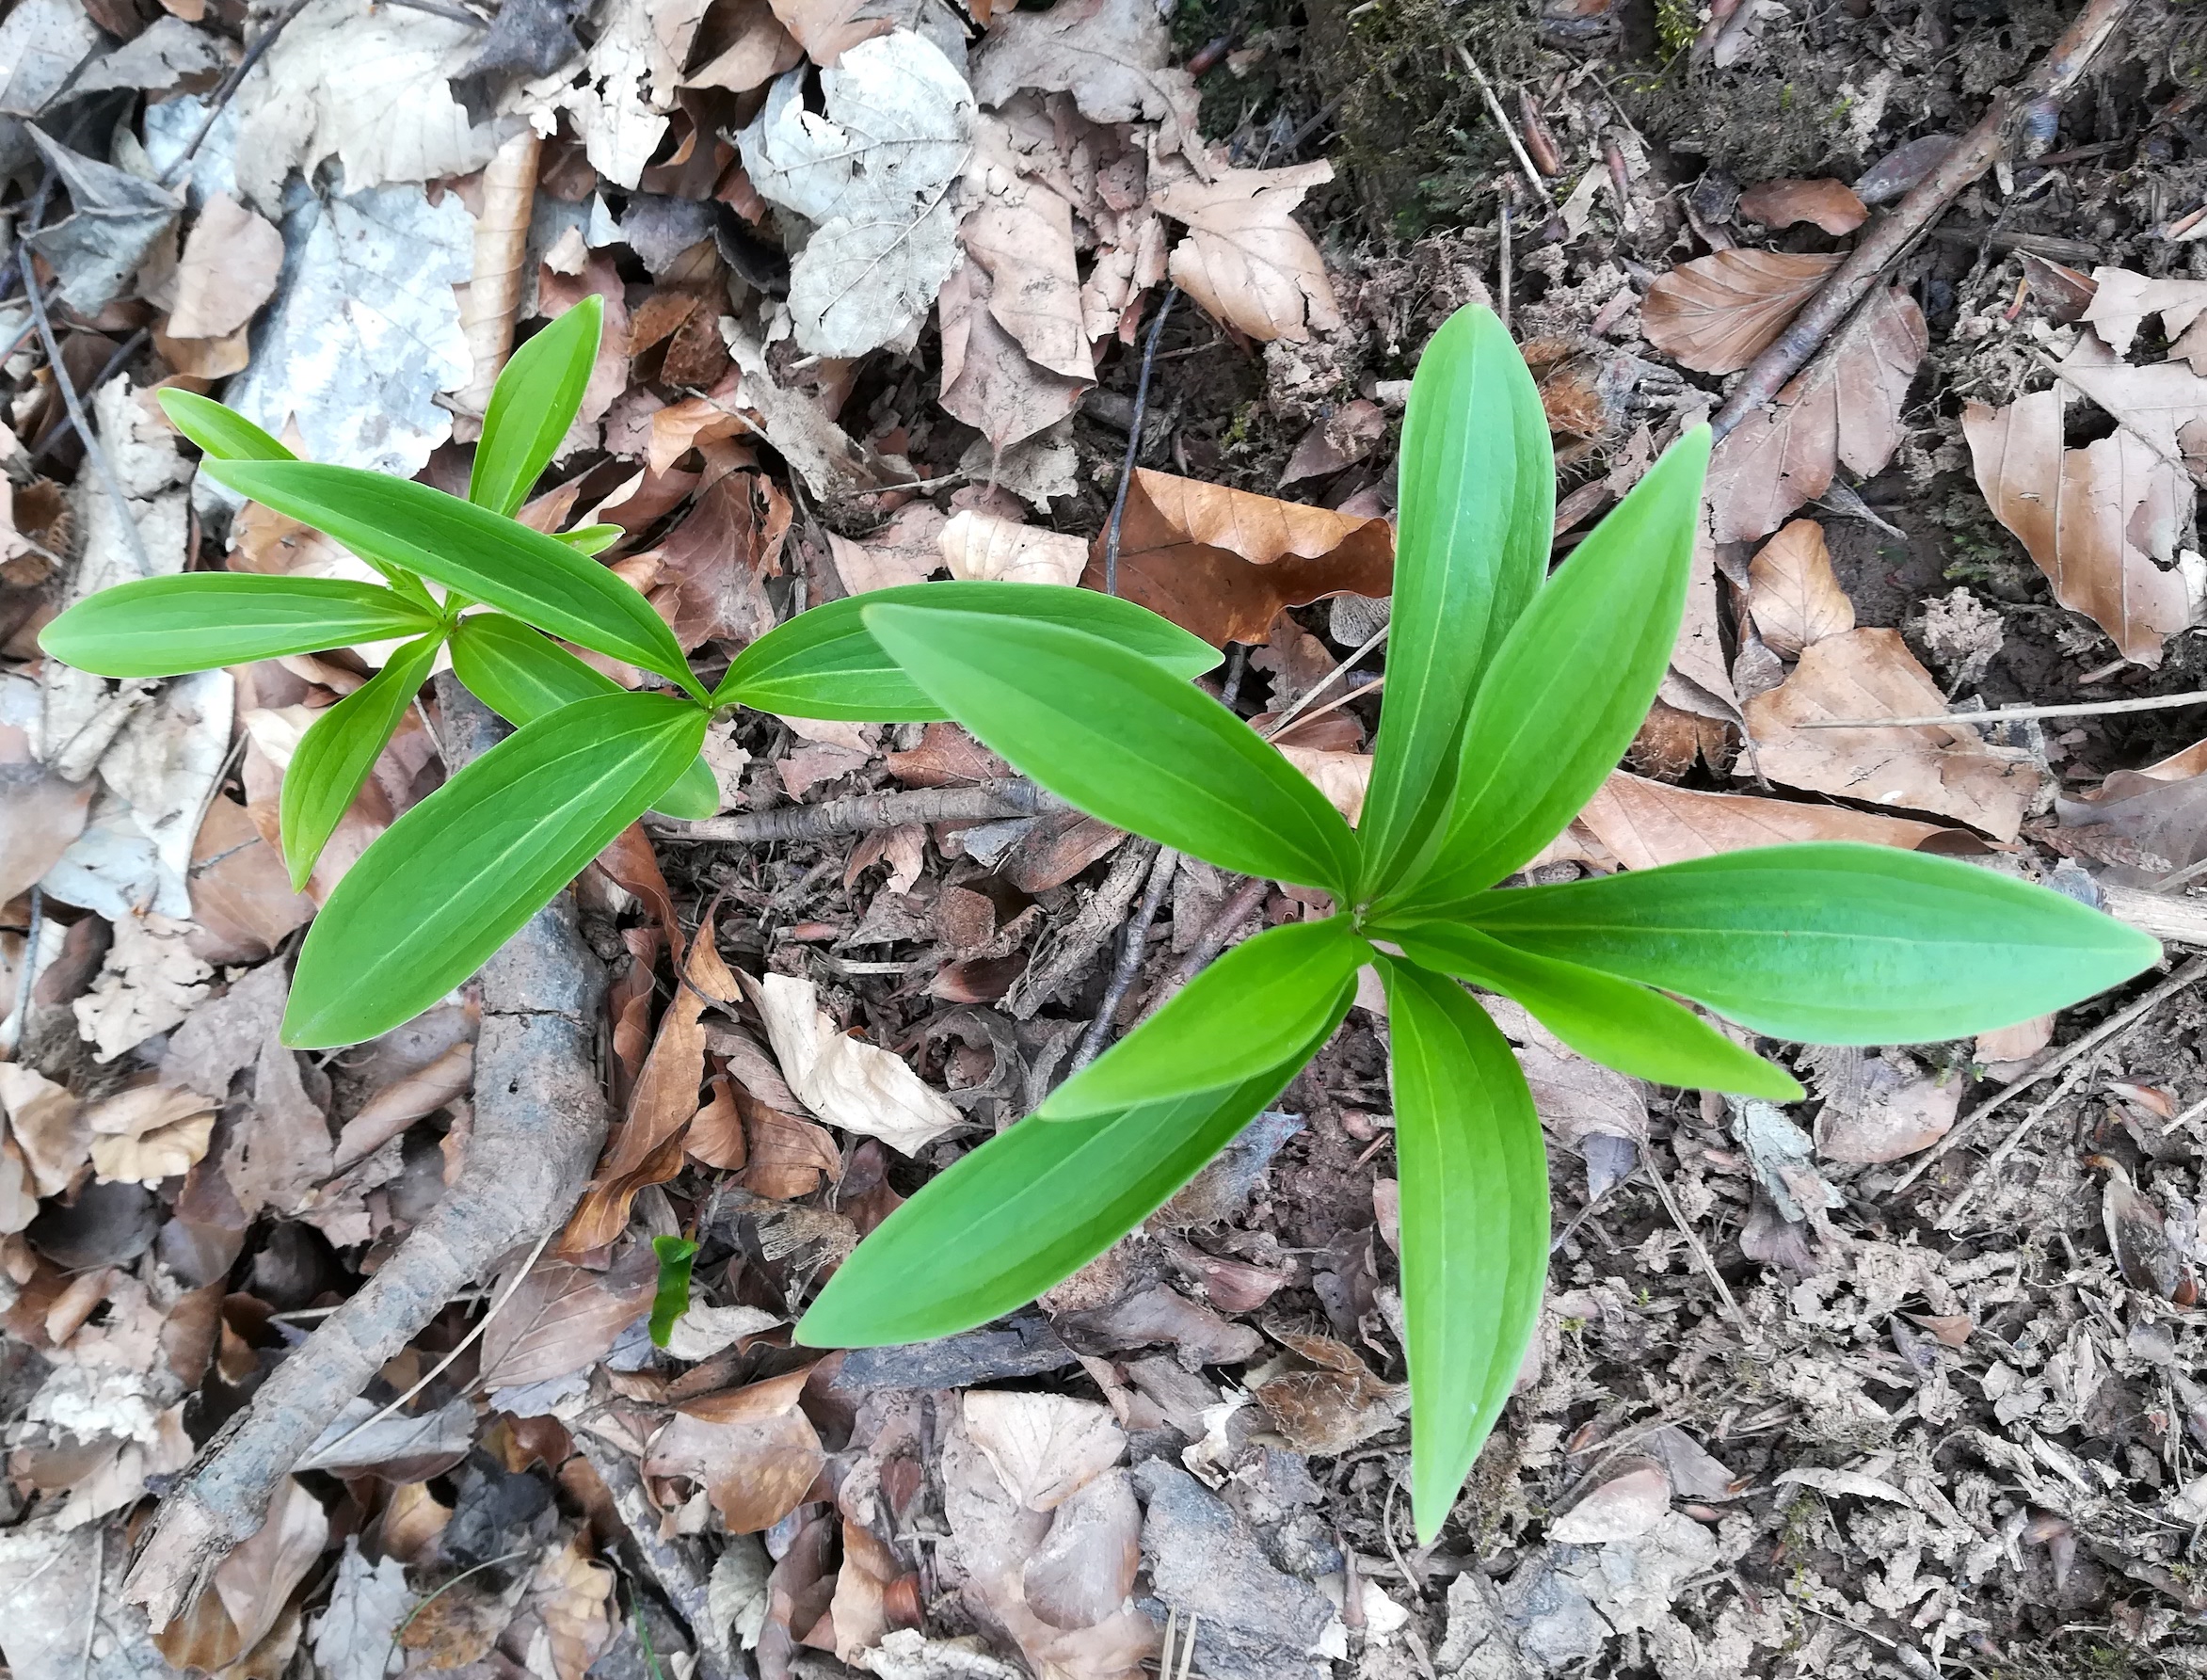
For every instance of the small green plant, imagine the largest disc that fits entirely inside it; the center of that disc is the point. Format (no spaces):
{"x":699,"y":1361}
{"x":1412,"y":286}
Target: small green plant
{"x":453,"y":879}
{"x":1510,"y":695}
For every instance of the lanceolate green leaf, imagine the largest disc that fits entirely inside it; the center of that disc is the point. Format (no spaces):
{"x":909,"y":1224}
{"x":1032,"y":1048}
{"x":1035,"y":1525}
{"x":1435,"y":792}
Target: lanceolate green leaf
{"x":1124,"y":740}
{"x":1244,"y":1014}
{"x":161,"y":627}
{"x":825,"y":662}
{"x":1571,"y":685}
{"x":483,"y":555}
{"x":1478,"y":511}
{"x":671,"y":1300}
{"x":1615,"y":1021}
{"x":1831,"y":943}
{"x":334,"y":757}
{"x":1474,"y":1176}
{"x":452,"y":879}
{"x":522,"y":677}
{"x":221,"y":433}
{"x":590,"y":539}
{"x":1030,"y":1208}
{"x":532,"y":406}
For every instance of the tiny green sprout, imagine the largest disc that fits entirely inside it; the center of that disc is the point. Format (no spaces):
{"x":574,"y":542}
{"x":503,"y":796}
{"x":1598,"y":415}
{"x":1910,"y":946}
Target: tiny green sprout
{"x":1510,"y":695}
{"x":454,"y":877}
{"x":672,"y":1298}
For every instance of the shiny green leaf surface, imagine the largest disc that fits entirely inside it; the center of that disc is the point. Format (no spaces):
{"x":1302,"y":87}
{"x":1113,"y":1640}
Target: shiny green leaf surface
{"x":1474,"y":1178}
{"x":825,"y":662}
{"x":1830,"y":943}
{"x":163,"y":627}
{"x":335,"y":755}
{"x":483,"y":555}
{"x":532,"y":404}
{"x":1030,"y":1208}
{"x":1614,"y":1021}
{"x":451,"y":880}
{"x":590,"y":539}
{"x":222,"y":434}
{"x":1125,"y":740}
{"x":671,"y":1299}
{"x":1244,"y":1014}
{"x":1571,"y":685}
{"x":1471,"y":549}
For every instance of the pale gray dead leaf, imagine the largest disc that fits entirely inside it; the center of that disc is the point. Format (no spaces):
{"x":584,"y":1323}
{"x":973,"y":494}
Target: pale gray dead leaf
{"x":149,"y":981}
{"x":1847,"y":1484}
{"x":113,"y":220}
{"x":1631,"y":1498}
{"x":906,"y":1654}
{"x":448,"y":1430}
{"x":874,"y":173}
{"x":41,"y":44}
{"x":847,"y":1083}
{"x":365,"y":329}
{"x":168,"y":51}
{"x":737,"y":1595}
{"x":356,"y":1635}
{"x":1113,"y":57}
{"x":703,"y":1331}
{"x":1044,"y":1447}
{"x":62,"y":1613}
{"x":620,"y":102}
{"x":2121,"y":300}
{"x":367,"y":85}
{"x":831,"y":462}
{"x":560,"y":1320}
{"x":1778,"y":1154}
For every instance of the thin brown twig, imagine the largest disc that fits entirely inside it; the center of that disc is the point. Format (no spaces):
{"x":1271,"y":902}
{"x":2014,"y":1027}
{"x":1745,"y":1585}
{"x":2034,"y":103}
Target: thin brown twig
{"x":1887,"y":238}
{"x":113,"y":366}
{"x":1134,"y":941}
{"x":94,"y":451}
{"x":231,"y":84}
{"x":863,"y":813}
{"x":1156,"y":329}
{"x":2013,"y":714}
{"x":1494,"y":110}
{"x":1237,"y":907}
{"x":1701,"y":1254}
{"x":1343,"y":664}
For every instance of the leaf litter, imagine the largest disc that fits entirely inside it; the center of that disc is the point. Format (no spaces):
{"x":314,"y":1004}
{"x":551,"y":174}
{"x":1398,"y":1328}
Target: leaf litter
{"x":1200,"y":1444}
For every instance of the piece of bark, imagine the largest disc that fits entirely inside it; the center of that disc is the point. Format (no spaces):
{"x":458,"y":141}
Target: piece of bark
{"x":541,"y":1115}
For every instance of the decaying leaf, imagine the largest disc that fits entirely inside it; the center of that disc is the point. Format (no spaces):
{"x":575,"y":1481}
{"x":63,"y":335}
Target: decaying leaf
{"x":149,"y":1133}
{"x":2148,"y":1258}
{"x":149,"y":981}
{"x":1246,"y":259}
{"x":1793,"y":592}
{"x":1328,"y":1402}
{"x":984,"y":547}
{"x":1715,"y":314}
{"x":849,"y":1083}
{"x":1843,"y":410}
{"x":753,"y":1449}
{"x":1223,"y":563}
{"x":1113,"y":57}
{"x":353,"y":1635}
{"x":1646,"y":824}
{"x":229,"y":268}
{"x":988,"y":381}
{"x":1878,"y":1108}
{"x":1945,"y":769}
{"x":2121,"y":300}
{"x":1631,"y":1499}
{"x":1045,"y":1448}
{"x":875,"y":174}
{"x":251,"y":1586}
{"x":1021,"y":231}
{"x":112,"y":221}
{"x":1833,"y":205}
{"x":2095,"y":519}
{"x":564,"y":1318}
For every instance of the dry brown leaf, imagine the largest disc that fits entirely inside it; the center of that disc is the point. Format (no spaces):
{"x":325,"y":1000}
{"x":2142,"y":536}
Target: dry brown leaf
{"x":411,"y":1096}
{"x":2018,"y":1043}
{"x":2148,"y":1256}
{"x":1222,"y":563}
{"x":572,"y":1592}
{"x":1647,"y":824}
{"x":1021,"y":231}
{"x":1844,"y":409}
{"x":907,"y":551}
{"x":849,"y":1083}
{"x":2121,"y":300}
{"x":40,"y":813}
{"x":47,"y":1124}
{"x":563,"y":1318}
{"x":988,"y":380}
{"x":714,"y":565}
{"x":753,"y":1449}
{"x":147,"y":983}
{"x":1083,"y":1571}
{"x":1631,"y":1499}
{"x":1831,"y":204}
{"x":2093,"y":519}
{"x":1245,"y":260}
{"x":1793,"y":592}
{"x":981,"y":546}
{"x":227,"y":272}
{"x":251,"y":1585}
{"x":1717,"y":313}
{"x":148,"y":1134}
{"x":1945,"y":769}
{"x":1343,"y":777}
{"x":1879,"y":1108}
{"x":242,"y":902}
{"x":742,"y":45}
{"x":1045,"y":1448}
{"x":1330,"y":1402}
{"x":827,"y":30}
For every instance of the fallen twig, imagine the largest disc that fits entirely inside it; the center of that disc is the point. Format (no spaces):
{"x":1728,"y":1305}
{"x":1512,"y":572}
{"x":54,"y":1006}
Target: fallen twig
{"x":1157,"y":330}
{"x":861,"y":813}
{"x":2012,"y":714}
{"x":1884,"y":241}
{"x":1081,"y":938}
{"x":539,"y":1118}
{"x":1134,"y":942}
{"x":1486,"y":88}
{"x":94,"y":452}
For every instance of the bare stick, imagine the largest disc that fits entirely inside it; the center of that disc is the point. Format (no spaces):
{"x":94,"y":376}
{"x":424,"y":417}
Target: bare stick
{"x":1886,"y":238}
{"x":1318,"y":688}
{"x":2176,"y":982}
{"x":539,"y":1119}
{"x":2013,"y":714}
{"x":1239,"y":906}
{"x":94,"y":452}
{"x":1082,"y":937}
{"x":1134,"y":942}
{"x":861,"y":813}
{"x":1133,"y":442}
{"x":1517,"y":150}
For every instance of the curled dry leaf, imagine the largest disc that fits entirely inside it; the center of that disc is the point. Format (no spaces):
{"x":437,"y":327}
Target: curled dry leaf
{"x":1833,"y":205}
{"x":1717,"y":313}
{"x":1021,"y":231}
{"x":47,"y":1124}
{"x":1947,"y":769}
{"x":847,"y":1083}
{"x":1222,"y":563}
{"x":1245,"y":260}
{"x":2095,"y":519}
{"x":1647,"y":824}
{"x":753,"y":1449}
{"x":1343,"y":777}
{"x":1330,"y":1402}
{"x":988,"y":381}
{"x":984,"y":547}
{"x":1843,"y":409}
{"x":1793,"y":592}
{"x":1045,"y":1448}
{"x":1630,"y":1501}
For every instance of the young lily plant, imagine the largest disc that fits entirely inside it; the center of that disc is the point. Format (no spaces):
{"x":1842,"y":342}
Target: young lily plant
{"x":1510,"y":694}
{"x":454,"y":877}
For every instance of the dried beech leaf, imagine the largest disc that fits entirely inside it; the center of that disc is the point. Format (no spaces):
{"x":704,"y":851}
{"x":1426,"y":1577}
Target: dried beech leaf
{"x":1833,"y":205}
{"x":1631,"y":1500}
{"x":1844,"y":409}
{"x":1045,"y":1448}
{"x":1879,"y":1108}
{"x":1947,"y":769}
{"x":1223,"y":563}
{"x":2089,"y":518}
{"x":984,"y":547}
{"x":562,"y":1319}
{"x":1245,"y":260}
{"x":1793,"y":592}
{"x":1647,"y":824}
{"x":2147,"y":1255}
{"x":1343,"y":777}
{"x":1717,"y":313}
{"x":755,"y":1453}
